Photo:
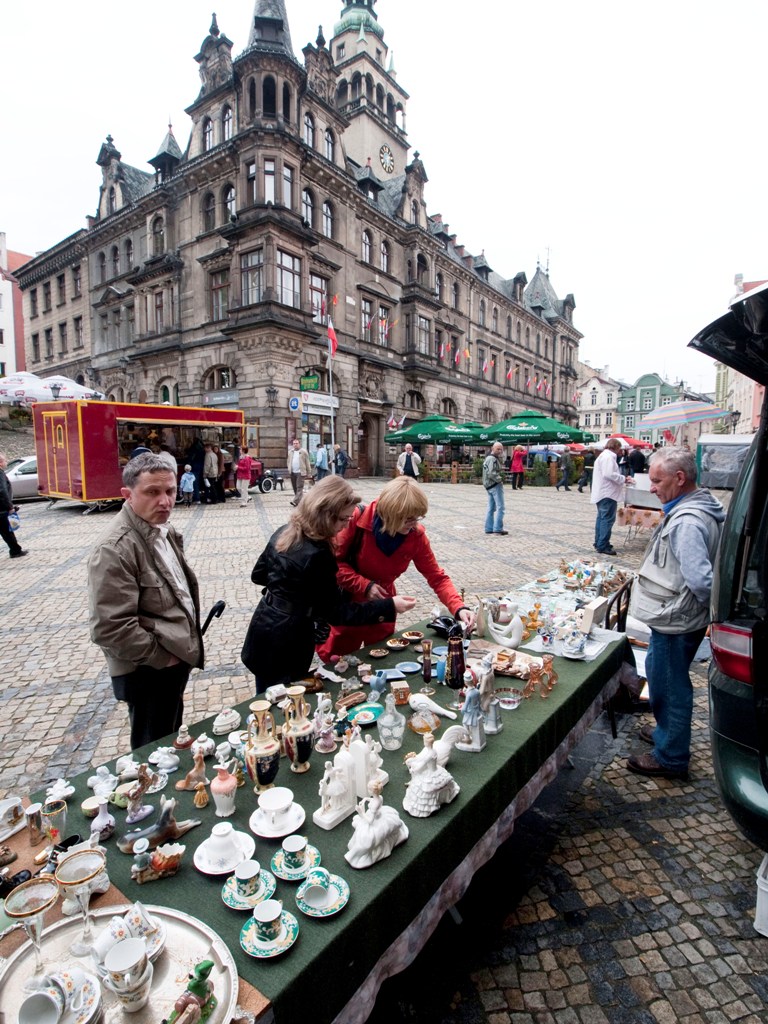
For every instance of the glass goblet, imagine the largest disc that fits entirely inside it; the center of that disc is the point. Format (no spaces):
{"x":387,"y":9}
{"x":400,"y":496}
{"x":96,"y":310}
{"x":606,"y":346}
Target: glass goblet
{"x":75,"y":873}
{"x":426,"y":668}
{"x":54,"y":815}
{"x":28,"y":903}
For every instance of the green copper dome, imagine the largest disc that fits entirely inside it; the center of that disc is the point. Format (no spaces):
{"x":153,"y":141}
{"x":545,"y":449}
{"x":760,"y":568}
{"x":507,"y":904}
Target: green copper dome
{"x":357,"y":14}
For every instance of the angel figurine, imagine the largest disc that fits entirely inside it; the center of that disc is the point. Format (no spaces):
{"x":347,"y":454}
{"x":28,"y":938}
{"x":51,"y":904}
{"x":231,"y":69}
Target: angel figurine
{"x":377,"y":830}
{"x":431,"y":786}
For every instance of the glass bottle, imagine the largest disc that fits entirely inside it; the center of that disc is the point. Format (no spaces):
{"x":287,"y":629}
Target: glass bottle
{"x":391,"y":725}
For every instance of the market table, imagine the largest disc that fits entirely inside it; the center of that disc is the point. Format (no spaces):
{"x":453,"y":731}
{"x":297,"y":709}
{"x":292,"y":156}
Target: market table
{"x":337,"y":965}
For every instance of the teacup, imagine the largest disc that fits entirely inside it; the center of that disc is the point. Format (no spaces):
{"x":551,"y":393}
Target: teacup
{"x":268,"y":918}
{"x":135,"y":998}
{"x":295,"y":851}
{"x":139,"y":921}
{"x":45,"y":1006}
{"x":115,"y":932}
{"x":247,"y":878}
{"x":126,"y":964}
{"x":71,"y":984}
{"x":222,"y":844}
{"x":314,"y":891}
{"x":275,"y":803}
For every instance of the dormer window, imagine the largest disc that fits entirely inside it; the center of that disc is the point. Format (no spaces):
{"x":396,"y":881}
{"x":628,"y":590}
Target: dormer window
{"x":340,"y":51}
{"x":112,"y":203}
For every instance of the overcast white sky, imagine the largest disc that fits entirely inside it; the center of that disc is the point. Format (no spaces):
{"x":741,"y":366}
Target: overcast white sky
{"x":625,"y":143}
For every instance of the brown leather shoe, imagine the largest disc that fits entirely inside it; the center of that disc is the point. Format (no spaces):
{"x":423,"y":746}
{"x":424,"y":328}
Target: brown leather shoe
{"x":646,"y":734}
{"x":646,"y":764}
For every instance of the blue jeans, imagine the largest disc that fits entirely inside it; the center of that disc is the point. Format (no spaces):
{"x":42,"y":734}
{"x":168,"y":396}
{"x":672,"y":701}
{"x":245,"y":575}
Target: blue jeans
{"x":606,"y":516}
{"x":494,"y":517}
{"x":669,"y":685}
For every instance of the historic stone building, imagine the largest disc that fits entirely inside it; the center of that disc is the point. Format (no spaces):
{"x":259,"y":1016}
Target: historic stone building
{"x":211,"y":279}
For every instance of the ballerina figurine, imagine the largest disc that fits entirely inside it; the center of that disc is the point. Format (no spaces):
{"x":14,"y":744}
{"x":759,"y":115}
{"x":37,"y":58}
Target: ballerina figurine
{"x":430,"y":785}
{"x":377,"y":830}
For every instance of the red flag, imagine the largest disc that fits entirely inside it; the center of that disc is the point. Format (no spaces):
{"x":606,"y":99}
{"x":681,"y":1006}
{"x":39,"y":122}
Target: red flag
{"x":485,"y":366}
{"x":509,"y":373}
{"x":333,"y":341}
{"x":457,"y":357}
{"x":402,"y":421}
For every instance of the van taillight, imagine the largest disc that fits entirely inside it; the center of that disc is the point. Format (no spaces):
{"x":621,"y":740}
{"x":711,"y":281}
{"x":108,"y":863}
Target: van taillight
{"x":732,"y":651}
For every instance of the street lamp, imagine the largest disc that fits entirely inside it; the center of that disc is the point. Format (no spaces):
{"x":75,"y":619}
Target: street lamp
{"x":55,"y":391}
{"x":735,"y":417}
{"x":271,"y":397}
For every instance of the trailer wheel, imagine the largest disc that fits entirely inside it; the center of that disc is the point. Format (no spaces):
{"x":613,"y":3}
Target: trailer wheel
{"x":266,"y":484}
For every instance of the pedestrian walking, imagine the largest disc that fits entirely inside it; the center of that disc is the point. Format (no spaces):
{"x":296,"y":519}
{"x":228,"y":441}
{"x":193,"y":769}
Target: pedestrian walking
{"x":607,"y":488}
{"x":321,"y":461}
{"x":408,"y":462}
{"x":340,"y":460}
{"x":210,"y":474}
{"x":565,"y":472}
{"x":243,"y":475}
{"x":298,"y":468}
{"x":493,"y":481}
{"x":6,"y":506}
{"x":586,"y":471}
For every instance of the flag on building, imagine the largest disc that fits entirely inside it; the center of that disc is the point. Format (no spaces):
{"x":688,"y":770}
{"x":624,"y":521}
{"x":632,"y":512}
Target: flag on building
{"x":402,"y":421}
{"x":485,"y":366}
{"x":457,"y":357}
{"x":392,"y":421}
{"x":333,"y":341}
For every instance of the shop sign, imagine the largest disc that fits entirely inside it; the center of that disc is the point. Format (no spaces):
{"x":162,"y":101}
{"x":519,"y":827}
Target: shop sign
{"x":318,"y":404}
{"x":310,"y":382}
{"x":221,"y":398}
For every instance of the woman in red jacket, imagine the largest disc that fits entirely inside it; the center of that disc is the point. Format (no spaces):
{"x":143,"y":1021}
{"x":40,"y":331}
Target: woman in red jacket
{"x":375,"y":549}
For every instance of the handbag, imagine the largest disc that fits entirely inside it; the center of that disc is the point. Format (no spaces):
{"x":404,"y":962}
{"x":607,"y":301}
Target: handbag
{"x":13,"y":520}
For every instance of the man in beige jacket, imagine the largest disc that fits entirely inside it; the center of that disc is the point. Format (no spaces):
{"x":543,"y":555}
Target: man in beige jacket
{"x":299,"y":468}
{"x":144,"y":602}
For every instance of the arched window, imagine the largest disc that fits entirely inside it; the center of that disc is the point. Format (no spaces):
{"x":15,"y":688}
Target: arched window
{"x":327,"y":219}
{"x":486,"y":415}
{"x":518,"y":333}
{"x":422,"y":271}
{"x":209,"y":211}
{"x":112,"y":200}
{"x":228,"y":201}
{"x":528,"y":337}
{"x":366,"y":251}
{"x":330,"y":145}
{"x":481,"y":313}
{"x":309,"y":131}
{"x":286,"y":102}
{"x":207,"y":134}
{"x":102,"y":261}
{"x":115,"y":259}
{"x":165,"y":394}
{"x":308,"y":207}
{"x":538,"y":344}
{"x":220,"y":378}
{"x":158,"y":237}
{"x":448,"y":408}
{"x":415,"y":211}
{"x":455,"y":295}
{"x":252,"y":98}
{"x":495,"y":320}
{"x":439,"y":288}
{"x":128,"y":254}
{"x":384,"y":252}
{"x":269,"y":97}
{"x":415,"y":400}
{"x":226,"y":123}
{"x":509,"y":328}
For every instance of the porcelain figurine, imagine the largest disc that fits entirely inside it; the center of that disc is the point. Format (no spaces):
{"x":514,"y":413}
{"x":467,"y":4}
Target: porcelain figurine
{"x":204,"y":744}
{"x":472,"y":718}
{"x":326,"y":737}
{"x":137,"y":810}
{"x":444,"y":744}
{"x":374,"y":762}
{"x":510,"y":634}
{"x":377,"y":830}
{"x":262,"y":747}
{"x":103,"y":782}
{"x":60,"y":789}
{"x":164,"y":830}
{"x":198,"y":995}
{"x":201,"y":798}
{"x":127,"y":768}
{"x":223,"y":753}
{"x":298,"y":731}
{"x":223,"y":789}
{"x":195,"y":774}
{"x":103,"y":825}
{"x":236,"y":741}
{"x":391,"y":725}
{"x":431,"y":786}
{"x":489,"y":703}
{"x":323,"y":710}
{"x":184,"y":740}
{"x":165,"y":759}
{"x":337,"y":800}
{"x":160,"y":863}
{"x":362,"y":764}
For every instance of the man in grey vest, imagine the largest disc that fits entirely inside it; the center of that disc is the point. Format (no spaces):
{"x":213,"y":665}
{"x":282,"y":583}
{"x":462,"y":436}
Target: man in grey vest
{"x":671,"y":596}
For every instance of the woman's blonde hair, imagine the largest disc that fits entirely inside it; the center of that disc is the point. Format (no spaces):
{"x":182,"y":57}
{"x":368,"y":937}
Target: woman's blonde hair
{"x":317,"y":514}
{"x":400,"y":500}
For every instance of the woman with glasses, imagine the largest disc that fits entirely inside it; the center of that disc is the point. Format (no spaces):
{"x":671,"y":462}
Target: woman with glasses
{"x":298,"y":572}
{"x":376,"y":548}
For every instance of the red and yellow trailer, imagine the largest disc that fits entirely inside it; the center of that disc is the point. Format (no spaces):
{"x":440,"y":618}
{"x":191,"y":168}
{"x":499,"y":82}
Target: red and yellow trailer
{"x":82,"y":446}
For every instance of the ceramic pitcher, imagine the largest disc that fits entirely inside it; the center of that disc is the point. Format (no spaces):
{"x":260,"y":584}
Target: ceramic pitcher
{"x":298,"y":731}
{"x":262,"y":748}
{"x":223,"y":789}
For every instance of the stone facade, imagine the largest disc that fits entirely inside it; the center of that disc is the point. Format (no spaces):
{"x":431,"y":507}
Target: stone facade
{"x":213,"y":279}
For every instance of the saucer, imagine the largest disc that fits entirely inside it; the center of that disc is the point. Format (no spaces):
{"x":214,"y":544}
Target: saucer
{"x":220,"y":865}
{"x":260,"y":824}
{"x":289,"y":932}
{"x":154,"y":942}
{"x":91,"y":1003}
{"x":409,"y":667}
{"x":575,"y":655}
{"x":338,"y":897}
{"x":439,"y":652}
{"x":397,"y":644}
{"x":233,"y":899}
{"x":365,"y":714}
{"x":287,"y":874}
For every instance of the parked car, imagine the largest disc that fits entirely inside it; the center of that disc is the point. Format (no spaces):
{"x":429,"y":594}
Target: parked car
{"x":738,"y":677}
{"x":22,"y":474}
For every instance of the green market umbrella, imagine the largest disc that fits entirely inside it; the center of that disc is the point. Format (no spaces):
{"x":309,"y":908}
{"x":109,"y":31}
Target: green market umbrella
{"x":479,"y":431}
{"x":431,"y":430}
{"x":531,"y":427}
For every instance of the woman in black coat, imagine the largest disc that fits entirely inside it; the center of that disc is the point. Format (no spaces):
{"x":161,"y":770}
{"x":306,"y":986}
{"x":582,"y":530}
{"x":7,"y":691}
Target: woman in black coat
{"x":298,"y":572}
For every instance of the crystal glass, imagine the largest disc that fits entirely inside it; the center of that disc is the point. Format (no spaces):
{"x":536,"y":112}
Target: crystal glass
{"x":426,"y":667}
{"x":54,"y":816}
{"x":28,"y":903}
{"x":74,"y":874}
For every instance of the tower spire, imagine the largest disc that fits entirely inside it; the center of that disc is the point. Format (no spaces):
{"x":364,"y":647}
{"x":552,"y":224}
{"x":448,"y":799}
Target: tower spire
{"x":269,"y":28}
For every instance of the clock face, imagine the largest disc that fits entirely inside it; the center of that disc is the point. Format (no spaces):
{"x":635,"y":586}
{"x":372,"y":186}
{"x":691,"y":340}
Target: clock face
{"x":387,"y":159}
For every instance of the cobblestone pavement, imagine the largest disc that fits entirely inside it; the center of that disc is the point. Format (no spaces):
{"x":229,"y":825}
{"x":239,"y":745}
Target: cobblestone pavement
{"x":618,"y":899}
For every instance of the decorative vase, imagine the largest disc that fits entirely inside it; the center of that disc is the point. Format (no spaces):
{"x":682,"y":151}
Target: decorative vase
{"x":262,"y":749}
{"x":104,"y":823}
{"x":391,"y":725}
{"x":223,"y":789}
{"x":455,"y":665}
{"x":299,"y":730}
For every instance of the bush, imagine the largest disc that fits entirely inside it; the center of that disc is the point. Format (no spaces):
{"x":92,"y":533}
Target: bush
{"x":20,"y":416}
{"x":539,"y":475}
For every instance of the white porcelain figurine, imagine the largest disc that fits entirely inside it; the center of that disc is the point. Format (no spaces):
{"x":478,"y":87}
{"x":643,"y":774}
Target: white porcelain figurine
{"x":377,"y":830}
{"x":431,"y":786}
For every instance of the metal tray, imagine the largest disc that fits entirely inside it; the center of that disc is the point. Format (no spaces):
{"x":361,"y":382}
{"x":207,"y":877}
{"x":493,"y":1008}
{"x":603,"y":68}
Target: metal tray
{"x":188,"y":941}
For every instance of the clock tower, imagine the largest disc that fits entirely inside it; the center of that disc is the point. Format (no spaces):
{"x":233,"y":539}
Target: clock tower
{"x":367,"y":91}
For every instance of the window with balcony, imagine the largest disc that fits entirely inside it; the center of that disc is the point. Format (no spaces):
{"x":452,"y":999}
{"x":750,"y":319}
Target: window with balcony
{"x":288,"y":279}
